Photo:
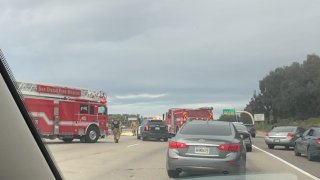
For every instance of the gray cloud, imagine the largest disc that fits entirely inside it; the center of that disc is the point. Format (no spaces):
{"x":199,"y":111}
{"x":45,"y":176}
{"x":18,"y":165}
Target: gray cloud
{"x":196,"y":53}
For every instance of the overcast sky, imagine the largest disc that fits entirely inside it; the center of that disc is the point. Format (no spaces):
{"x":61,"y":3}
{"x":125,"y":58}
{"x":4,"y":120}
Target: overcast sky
{"x":153,"y":55}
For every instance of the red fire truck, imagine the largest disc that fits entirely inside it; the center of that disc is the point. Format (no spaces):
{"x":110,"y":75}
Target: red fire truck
{"x":66,"y":113}
{"x":176,"y":117}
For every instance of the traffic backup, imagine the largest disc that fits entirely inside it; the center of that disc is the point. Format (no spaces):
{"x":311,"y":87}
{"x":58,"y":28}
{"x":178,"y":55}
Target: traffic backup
{"x":66,"y":113}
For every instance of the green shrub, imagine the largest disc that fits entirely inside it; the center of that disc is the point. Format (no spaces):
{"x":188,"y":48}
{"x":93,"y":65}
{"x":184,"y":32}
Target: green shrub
{"x":261,"y":126}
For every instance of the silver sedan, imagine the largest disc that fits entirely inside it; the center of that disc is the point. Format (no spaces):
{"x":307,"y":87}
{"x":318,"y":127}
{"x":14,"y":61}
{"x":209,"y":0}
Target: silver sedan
{"x":206,"y":146}
{"x":283,"y":136}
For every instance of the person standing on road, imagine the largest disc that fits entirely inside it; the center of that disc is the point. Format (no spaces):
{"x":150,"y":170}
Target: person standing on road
{"x":133,"y":127}
{"x":116,"y":129}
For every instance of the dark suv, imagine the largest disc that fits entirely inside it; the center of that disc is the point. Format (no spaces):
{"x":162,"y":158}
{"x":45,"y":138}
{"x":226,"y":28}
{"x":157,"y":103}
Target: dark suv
{"x":251,"y":129}
{"x":153,"y":129}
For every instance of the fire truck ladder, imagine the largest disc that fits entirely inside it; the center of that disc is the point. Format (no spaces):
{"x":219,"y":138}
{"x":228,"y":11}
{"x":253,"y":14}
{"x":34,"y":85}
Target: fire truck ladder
{"x":86,"y":94}
{"x":92,"y":95}
{"x":27,"y":88}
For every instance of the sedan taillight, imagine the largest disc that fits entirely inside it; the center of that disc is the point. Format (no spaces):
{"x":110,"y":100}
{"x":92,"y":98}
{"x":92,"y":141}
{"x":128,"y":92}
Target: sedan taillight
{"x":318,"y":141}
{"x":291,"y":135}
{"x":229,"y":147}
{"x":147,"y":128}
{"x":177,"y":145}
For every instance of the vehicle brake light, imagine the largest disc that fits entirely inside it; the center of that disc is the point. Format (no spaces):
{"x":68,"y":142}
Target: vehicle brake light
{"x":318,"y":141}
{"x":291,"y":135}
{"x":147,"y":128}
{"x":229,"y":147}
{"x":177,"y":145}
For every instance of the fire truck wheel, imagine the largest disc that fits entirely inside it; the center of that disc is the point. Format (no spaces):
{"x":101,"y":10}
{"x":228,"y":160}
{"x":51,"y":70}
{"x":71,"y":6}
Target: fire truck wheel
{"x":92,"y":135}
{"x":67,"y":140}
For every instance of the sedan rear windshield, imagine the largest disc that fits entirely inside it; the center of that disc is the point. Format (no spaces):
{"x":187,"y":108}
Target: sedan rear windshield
{"x":316,"y":132}
{"x":206,"y":129}
{"x":283,"y":129}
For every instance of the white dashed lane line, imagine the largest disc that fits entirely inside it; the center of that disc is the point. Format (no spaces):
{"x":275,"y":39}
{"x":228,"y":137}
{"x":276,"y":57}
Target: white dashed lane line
{"x":133,"y":145}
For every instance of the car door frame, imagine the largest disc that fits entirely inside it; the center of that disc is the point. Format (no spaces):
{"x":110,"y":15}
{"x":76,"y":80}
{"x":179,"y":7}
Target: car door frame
{"x":306,"y":141}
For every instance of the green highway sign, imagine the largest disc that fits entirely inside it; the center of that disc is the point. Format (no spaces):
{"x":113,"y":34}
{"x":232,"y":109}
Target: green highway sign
{"x":229,"y":112}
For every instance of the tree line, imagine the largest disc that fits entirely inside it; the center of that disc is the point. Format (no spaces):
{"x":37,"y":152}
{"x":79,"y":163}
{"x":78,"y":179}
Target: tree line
{"x":289,"y":92}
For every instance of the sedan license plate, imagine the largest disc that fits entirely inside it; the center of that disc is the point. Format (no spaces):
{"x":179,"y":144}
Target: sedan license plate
{"x":157,"y":128}
{"x":277,"y":140}
{"x":201,"y":150}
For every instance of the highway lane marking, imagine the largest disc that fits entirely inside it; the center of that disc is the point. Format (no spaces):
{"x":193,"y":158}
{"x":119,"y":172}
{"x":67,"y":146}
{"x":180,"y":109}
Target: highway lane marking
{"x":133,"y":145}
{"x":287,"y":163}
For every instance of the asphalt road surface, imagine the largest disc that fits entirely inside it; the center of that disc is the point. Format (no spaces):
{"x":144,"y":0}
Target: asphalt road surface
{"x":311,"y":167}
{"x":136,"y":159}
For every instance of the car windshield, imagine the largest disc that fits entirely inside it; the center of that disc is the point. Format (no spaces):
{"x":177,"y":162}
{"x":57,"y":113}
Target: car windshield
{"x":284,"y":129}
{"x":206,"y":129}
{"x":191,"y":67}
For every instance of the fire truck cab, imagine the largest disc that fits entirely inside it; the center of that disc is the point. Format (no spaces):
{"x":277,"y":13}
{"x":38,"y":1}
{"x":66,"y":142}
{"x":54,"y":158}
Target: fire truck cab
{"x":66,"y":113}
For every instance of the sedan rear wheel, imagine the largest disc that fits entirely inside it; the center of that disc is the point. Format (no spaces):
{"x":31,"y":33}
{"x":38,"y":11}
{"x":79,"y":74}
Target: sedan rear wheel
{"x":296,"y":152}
{"x":309,"y":155}
{"x":173,"y":173}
